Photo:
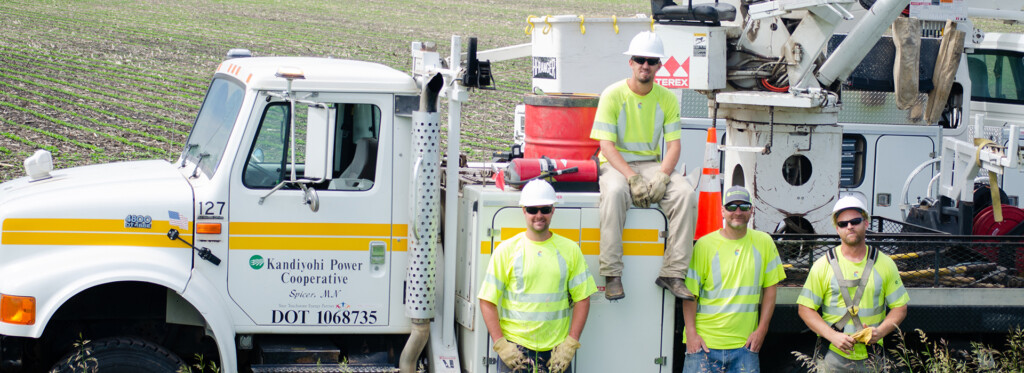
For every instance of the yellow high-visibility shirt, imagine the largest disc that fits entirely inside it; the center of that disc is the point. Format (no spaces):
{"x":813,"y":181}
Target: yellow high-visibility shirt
{"x":530,"y":283}
{"x":884,"y":287}
{"x":729,"y":277}
{"x":637,"y":123}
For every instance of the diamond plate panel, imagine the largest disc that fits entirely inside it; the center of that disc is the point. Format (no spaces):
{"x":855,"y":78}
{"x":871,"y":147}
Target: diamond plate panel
{"x":693,"y":104}
{"x":878,"y":108}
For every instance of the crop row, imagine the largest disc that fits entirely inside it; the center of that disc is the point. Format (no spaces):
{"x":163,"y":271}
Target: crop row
{"x":38,"y":58}
{"x":11,"y":74}
{"x":79,"y":127}
{"x":101,"y":111}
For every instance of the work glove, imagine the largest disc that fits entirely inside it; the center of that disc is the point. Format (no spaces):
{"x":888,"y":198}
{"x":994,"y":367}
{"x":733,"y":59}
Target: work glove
{"x":863,"y":336}
{"x":658,"y":186}
{"x":562,"y":355}
{"x":640,"y":191}
{"x":510,"y":354}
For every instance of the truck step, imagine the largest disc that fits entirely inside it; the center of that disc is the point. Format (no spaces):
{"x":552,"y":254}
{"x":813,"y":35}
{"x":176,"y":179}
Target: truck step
{"x":323,"y":368}
{"x":290,"y":350}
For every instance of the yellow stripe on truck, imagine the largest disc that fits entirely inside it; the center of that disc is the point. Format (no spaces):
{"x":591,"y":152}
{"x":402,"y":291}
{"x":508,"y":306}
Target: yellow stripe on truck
{"x":87,"y":225}
{"x":318,"y":229}
{"x":637,"y":242}
{"x":315,"y":236}
{"x":87,"y":232}
{"x":89,"y":239}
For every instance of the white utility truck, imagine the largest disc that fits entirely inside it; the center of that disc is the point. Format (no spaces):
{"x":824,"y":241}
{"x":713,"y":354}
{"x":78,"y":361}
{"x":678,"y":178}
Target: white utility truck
{"x":312,"y":224}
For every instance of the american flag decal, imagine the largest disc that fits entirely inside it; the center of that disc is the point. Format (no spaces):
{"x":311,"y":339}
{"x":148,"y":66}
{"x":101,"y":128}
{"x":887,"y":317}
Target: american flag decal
{"x":177,"y":220}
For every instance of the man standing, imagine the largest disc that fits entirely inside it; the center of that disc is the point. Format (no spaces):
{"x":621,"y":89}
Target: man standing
{"x":731,"y":269}
{"x":524,"y":298}
{"x":633,"y":116}
{"x":853,"y":274}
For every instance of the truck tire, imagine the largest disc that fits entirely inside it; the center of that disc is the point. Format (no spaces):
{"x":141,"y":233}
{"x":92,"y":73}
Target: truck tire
{"x":120,"y":355}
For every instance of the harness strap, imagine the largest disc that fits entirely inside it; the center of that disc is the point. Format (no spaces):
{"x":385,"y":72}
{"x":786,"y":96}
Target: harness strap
{"x":852,"y":305}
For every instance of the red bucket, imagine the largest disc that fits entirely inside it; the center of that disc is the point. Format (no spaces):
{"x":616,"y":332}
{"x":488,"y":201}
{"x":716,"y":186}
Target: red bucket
{"x":558,"y":126}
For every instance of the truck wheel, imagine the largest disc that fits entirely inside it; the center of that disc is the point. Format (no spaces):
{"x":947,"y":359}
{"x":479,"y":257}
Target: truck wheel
{"x":120,"y":355}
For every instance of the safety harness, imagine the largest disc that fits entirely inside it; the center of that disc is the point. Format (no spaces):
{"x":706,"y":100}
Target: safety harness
{"x":852,"y":307}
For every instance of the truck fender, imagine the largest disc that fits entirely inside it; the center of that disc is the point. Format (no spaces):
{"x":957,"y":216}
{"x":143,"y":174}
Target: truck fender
{"x":55,"y":275}
{"x":204,"y":295}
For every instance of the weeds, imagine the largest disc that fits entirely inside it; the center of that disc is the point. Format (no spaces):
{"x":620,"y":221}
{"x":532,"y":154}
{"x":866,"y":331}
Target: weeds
{"x":939,"y":357}
{"x":200,"y":366}
{"x":81,"y":360}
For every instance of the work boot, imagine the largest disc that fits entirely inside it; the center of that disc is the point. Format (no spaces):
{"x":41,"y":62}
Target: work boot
{"x":613,"y":288}
{"x":676,"y":286}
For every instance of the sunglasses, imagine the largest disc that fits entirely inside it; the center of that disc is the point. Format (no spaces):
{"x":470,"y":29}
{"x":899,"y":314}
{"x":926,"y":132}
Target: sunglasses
{"x":854,"y":222}
{"x":650,"y":60}
{"x":741,"y":206}
{"x":533,"y":210}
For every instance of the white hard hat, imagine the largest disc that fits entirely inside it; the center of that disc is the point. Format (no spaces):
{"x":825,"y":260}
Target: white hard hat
{"x":846,"y":203}
{"x":646,"y":44}
{"x":537,"y":193}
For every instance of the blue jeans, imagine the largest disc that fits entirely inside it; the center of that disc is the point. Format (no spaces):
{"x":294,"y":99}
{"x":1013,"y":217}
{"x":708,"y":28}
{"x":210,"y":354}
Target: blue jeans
{"x":738,"y":360}
{"x":540,"y":360}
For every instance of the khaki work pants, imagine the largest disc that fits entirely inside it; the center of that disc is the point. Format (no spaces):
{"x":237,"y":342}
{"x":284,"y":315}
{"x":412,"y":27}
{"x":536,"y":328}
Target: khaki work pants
{"x":679,"y":204}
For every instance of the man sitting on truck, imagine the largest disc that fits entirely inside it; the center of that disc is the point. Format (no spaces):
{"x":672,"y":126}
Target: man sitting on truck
{"x":524,"y":298}
{"x":858,"y":275}
{"x":731,"y":269}
{"x":633,"y":115}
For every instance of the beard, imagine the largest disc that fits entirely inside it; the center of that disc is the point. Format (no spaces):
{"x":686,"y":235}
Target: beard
{"x":852,"y":239}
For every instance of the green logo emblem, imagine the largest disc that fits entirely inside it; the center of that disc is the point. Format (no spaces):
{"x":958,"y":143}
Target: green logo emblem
{"x":256,"y":262}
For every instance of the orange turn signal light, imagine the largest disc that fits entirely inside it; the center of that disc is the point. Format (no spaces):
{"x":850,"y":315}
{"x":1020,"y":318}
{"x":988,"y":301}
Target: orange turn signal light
{"x":208,"y":228}
{"x":17,"y":310}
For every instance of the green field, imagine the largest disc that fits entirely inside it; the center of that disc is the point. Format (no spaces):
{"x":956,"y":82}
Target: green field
{"x":99,"y":80}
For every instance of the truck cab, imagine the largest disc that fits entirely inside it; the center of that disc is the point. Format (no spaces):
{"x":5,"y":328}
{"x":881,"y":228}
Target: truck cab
{"x":296,"y":229}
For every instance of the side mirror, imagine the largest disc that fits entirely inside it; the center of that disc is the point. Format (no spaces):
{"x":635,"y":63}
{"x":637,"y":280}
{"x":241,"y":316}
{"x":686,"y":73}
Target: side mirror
{"x":319,"y":142}
{"x":257,"y":155}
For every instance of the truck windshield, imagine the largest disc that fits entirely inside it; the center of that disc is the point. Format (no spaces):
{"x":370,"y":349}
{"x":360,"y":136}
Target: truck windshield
{"x":996,"y":76}
{"x":216,"y":117}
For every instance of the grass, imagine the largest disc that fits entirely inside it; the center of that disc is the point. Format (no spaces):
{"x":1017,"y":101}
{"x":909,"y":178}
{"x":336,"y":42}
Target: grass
{"x":930,"y":356}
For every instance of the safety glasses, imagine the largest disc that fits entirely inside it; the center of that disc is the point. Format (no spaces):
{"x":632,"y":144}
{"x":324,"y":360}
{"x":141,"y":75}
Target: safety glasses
{"x":854,"y":222}
{"x":734,"y":206}
{"x":650,"y":60}
{"x":533,"y":210}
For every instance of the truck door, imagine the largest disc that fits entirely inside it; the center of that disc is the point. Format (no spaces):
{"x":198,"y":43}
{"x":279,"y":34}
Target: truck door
{"x":895,"y":157}
{"x":623,"y":336}
{"x":289,"y":265}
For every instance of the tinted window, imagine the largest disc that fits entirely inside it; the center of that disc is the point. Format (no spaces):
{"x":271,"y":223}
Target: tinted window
{"x":996,"y":76}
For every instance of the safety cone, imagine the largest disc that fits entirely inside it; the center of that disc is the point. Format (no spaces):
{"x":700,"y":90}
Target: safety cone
{"x":709,"y":204}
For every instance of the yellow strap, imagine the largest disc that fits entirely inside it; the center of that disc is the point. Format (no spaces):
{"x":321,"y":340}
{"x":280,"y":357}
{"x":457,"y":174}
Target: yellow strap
{"x":583,"y":29}
{"x":993,"y":183}
{"x":652,"y":24}
{"x":529,"y":24}
{"x":997,"y":206}
{"x":547,"y":25}
{"x":615,"y":24}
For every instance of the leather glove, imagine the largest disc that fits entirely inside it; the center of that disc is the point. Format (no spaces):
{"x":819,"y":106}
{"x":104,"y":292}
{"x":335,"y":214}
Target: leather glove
{"x":562,"y":354}
{"x":658,"y":186}
{"x":510,"y":354}
{"x":863,"y":335}
{"x":640,"y":191}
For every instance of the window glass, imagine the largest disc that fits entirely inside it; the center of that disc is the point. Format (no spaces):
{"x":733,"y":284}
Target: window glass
{"x":996,"y":76}
{"x":213,"y":125}
{"x":357,"y":129}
